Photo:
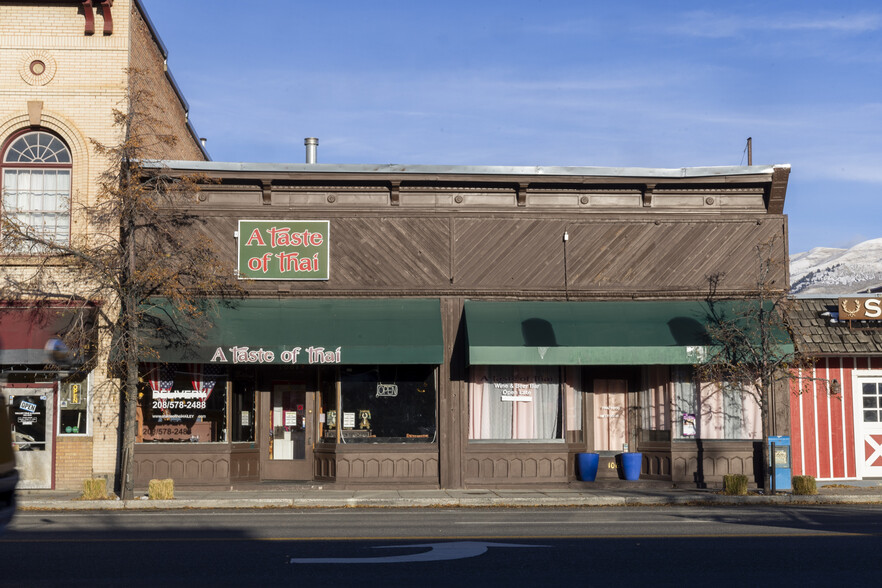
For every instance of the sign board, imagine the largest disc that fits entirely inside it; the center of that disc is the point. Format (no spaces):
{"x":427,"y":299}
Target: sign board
{"x":284,"y":249}
{"x":516,"y":391}
{"x":387,"y":390}
{"x":860,"y":309}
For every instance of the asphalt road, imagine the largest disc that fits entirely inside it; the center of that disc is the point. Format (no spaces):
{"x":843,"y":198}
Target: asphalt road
{"x":735,"y":546}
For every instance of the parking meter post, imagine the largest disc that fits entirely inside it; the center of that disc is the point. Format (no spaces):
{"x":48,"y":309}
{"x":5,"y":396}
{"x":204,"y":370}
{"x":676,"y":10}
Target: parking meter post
{"x":772,"y":465}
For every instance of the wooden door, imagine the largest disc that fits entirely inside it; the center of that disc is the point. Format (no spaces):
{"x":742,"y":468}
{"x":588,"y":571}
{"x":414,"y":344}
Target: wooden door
{"x":868,"y":409}
{"x":610,"y":415}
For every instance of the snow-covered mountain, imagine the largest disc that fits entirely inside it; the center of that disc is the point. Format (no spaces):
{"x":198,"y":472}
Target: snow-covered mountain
{"x":828,"y":270}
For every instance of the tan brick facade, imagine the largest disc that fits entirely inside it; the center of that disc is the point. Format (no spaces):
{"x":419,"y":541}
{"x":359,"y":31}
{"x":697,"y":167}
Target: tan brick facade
{"x":55,"y":77}
{"x":73,"y":462}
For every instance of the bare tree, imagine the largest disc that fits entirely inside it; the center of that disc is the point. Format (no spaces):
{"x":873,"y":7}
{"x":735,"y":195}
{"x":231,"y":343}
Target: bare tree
{"x":133,"y":245}
{"x":751,"y":344}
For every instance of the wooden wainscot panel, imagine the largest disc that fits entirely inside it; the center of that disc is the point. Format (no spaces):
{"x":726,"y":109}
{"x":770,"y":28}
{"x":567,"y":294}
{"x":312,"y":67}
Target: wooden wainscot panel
{"x":188,"y":464}
{"x":379,"y":465}
{"x":499,"y":465}
{"x":656,"y":460}
{"x":705,"y":462}
{"x":244,"y":463}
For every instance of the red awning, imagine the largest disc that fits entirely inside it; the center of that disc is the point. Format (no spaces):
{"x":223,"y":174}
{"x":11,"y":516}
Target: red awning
{"x":26,"y":330}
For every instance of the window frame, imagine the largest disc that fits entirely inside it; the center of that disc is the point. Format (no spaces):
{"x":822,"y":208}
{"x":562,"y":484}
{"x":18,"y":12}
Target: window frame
{"x":87,"y":384}
{"x":564,"y":398}
{"x":40,"y":166}
{"x":422,"y":437}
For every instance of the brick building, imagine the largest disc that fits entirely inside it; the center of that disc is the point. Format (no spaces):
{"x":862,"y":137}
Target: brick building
{"x":64,"y":66}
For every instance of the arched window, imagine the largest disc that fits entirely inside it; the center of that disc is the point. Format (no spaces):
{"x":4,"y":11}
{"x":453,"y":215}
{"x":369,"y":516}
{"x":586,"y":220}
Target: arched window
{"x":36,"y":186}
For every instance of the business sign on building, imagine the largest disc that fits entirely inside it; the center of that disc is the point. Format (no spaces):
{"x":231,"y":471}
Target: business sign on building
{"x":284,"y":249}
{"x":860,"y":309}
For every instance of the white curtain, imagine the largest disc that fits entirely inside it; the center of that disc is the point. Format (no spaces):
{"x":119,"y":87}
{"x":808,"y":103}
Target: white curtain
{"x":520,"y":402}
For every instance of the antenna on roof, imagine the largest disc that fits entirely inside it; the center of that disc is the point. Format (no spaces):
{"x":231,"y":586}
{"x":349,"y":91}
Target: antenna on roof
{"x":749,"y":150}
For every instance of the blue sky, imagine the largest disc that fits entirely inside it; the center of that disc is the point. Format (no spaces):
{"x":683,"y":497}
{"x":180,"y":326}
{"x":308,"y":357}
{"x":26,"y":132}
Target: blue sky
{"x":632,"y":83}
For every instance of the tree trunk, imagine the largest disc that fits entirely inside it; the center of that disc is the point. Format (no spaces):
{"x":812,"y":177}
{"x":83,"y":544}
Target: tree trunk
{"x":130,"y":328}
{"x":130,"y":407}
{"x":766,"y":426}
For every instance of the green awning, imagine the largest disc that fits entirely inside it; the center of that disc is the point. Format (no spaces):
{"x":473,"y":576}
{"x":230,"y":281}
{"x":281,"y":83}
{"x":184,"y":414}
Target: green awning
{"x":592,"y":333}
{"x":301,"y":332}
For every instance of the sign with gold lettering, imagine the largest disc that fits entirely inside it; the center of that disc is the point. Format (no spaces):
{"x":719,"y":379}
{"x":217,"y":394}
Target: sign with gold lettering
{"x":284,"y":249}
{"x":860,"y":309}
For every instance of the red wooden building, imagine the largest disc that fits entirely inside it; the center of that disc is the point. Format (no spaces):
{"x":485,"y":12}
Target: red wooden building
{"x":836,"y":411}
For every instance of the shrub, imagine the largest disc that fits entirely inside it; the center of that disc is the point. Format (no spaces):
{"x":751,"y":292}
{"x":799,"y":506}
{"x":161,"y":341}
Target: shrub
{"x":735,"y":484}
{"x":804,"y":485}
{"x":161,"y":489}
{"x":95,"y":489}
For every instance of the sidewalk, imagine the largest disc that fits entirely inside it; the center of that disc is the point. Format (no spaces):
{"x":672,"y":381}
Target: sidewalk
{"x":584,"y":494}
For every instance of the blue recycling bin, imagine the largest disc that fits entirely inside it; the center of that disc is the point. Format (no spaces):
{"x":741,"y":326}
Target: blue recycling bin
{"x":780,"y":459}
{"x":587,"y":464}
{"x":632,"y":463}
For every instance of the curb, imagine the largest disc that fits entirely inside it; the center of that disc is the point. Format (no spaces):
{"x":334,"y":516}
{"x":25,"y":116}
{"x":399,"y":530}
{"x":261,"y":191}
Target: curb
{"x":448,"y":502}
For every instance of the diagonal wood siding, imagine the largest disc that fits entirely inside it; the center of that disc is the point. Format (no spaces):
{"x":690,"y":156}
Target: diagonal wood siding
{"x":525,"y":256}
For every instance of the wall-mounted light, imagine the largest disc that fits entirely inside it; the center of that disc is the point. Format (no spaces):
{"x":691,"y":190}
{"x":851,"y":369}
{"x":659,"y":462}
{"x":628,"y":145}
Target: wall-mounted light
{"x":835,"y":387}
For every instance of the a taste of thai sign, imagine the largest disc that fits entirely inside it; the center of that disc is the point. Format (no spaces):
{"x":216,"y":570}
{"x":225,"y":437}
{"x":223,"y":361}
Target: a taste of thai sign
{"x":284,"y":249}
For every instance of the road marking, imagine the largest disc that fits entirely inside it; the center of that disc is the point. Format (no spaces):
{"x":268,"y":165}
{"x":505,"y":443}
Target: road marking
{"x":437,"y":552}
{"x":580,"y":523}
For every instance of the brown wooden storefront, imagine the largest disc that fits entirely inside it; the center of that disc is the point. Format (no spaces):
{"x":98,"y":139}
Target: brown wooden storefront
{"x":561,"y":256}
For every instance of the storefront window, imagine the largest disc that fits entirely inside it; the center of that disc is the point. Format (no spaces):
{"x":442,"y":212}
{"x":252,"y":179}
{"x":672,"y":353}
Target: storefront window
{"x":182,"y":403}
{"x":73,"y":405}
{"x":242,"y":406}
{"x":656,"y":398}
{"x":709,"y":411}
{"x":573,"y":402}
{"x":515,"y":403}
{"x":686,"y":403}
{"x":384,"y":404}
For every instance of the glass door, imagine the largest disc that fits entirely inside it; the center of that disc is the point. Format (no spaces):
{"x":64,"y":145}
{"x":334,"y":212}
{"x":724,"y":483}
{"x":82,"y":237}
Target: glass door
{"x":287,"y":441}
{"x":31,"y":415}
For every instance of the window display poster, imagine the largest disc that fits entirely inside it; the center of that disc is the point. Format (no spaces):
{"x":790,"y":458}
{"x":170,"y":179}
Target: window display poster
{"x":688,"y":424}
{"x":28,"y":422}
{"x":348,"y":420}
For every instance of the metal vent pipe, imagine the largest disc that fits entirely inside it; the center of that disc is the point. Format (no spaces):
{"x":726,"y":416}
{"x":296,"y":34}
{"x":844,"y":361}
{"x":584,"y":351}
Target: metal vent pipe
{"x":311,"y":147}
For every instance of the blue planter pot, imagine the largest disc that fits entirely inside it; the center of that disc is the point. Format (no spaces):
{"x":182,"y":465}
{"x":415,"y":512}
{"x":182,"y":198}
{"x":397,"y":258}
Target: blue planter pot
{"x":631,"y":465}
{"x":586,"y":464}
